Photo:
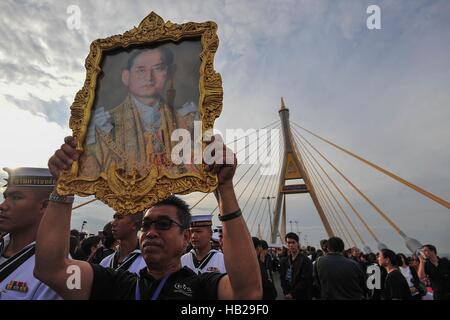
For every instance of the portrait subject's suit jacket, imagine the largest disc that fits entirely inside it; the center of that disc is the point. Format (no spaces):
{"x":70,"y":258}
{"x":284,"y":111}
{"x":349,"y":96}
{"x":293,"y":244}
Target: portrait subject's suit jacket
{"x":129,"y":145}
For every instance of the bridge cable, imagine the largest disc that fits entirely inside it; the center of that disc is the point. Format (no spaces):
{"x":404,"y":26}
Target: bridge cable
{"x":373,"y":205}
{"x":267,"y":126}
{"x":257,"y":199}
{"x":236,"y":184}
{"x":341,"y":193}
{"x":384,"y":171}
{"x":312,"y":165}
{"x":207,"y":194}
{"x":258,"y":212}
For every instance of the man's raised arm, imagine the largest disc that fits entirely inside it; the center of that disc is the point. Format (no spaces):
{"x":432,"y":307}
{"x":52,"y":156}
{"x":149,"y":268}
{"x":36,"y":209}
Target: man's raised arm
{"x":243,"y":280}
{"x":71,"y":279}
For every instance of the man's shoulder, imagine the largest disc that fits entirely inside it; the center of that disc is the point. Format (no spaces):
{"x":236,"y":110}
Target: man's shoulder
{"x":217,"y":252}
{"x":283,"y":259}
{"x":112,"y":284}
{"x":124,"y":105}
{"x":111,"y":273}
{"x":106,"y":260}
{"x":444,"y":260}
{"x":334,"y":259}
{"x":305,"y":258}
{"x":186,"y":256}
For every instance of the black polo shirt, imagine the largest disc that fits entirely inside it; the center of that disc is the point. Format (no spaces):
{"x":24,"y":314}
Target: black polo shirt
{"x":109,"y":284}
{"x":396,"y":287}
{"x":439,"y":277}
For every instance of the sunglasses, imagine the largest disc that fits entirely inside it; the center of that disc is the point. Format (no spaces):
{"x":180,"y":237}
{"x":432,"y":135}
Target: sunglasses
{"x":160,"y":224}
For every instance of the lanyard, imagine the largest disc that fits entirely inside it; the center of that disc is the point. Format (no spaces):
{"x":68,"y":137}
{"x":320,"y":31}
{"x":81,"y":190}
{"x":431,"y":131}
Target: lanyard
{"x":157,"y":291}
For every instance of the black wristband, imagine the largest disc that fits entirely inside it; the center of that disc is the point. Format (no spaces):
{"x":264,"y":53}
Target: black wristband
{"x":61,"y":199}
{"x":230,"y":216}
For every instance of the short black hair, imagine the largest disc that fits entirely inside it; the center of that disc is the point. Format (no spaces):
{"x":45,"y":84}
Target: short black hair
{"x":264,"y":244}
{"x":371,"y":257}
{"x":388,"y":253}
{"x":292,"y":235}
{"x":335,"y":244}
{"x":88,"y":243}
{"x":137,"y":219}
{"x":75,"y":233}
{"x":183,"y":211}
{"x":430,"y":247}
{"x":256,"y":242}
{"x":108,"y":235}
{"x":400,"y":261}
{"x":166,"y":55}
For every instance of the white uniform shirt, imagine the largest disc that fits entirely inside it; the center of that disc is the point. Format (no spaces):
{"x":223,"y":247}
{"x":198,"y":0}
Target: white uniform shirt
{"x":20,"y":284}
{"x":136,"y":265}
{"x":212,"y":262}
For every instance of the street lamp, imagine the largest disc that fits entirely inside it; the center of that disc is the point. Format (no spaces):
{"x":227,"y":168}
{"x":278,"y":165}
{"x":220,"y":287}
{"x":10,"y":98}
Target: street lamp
{"x":296,"y":227}
{"x":270,"y":211}
{"x":305,"y":238}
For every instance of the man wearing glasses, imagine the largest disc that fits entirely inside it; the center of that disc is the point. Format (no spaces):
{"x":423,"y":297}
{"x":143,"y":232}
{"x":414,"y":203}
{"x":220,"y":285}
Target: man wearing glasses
{"x":136,"y":133}
{"x":165,"y":236}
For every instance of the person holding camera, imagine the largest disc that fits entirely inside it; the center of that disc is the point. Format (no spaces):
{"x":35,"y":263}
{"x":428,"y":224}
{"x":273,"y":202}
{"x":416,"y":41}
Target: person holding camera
{"x":437,"y":270}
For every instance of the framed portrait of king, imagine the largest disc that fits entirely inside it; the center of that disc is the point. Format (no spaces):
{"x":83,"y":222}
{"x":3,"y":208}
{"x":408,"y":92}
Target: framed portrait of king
{"x":148,"y":97}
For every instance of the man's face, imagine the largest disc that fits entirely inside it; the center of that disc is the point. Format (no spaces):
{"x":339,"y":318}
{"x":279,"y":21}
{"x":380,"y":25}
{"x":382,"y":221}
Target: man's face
{"x":221,"y":240}
{"x":123,"y":227}
{"x":147,"y":77}
{"x":428,"y":253}
{"x":20,"y":210}
{"x":201,"y":237}
{"x":382,"y":261}
{"x":293,"y":246}
{"x":161,"y":248}
{"x":355,"y":252}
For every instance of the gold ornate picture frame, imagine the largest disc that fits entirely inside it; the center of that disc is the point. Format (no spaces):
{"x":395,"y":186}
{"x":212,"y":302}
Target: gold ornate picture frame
{"x":124,"y":144}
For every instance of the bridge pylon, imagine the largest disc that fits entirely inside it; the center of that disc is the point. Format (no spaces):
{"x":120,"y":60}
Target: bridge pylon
{"x":292,"y":168}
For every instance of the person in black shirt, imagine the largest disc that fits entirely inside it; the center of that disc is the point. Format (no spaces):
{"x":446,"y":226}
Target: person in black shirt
{"x":438,"y":271}
{"x":183,"y":284}
{"x":337,"y":277}
{"x":269,"y":290}
{"x":296,"y":272}
{"x":266,"y":258}
{"x":165,"y":235}
{"x":107,"y":247}
{"x":395,"y":285}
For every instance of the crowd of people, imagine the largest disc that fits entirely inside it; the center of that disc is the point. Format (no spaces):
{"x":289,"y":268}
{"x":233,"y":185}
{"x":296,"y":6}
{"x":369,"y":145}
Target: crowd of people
{"x":166,"y":253}
{"x":335,"y":273}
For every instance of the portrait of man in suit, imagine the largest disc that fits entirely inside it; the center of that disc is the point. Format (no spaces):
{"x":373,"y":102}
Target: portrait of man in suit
{"x":135,"y":135}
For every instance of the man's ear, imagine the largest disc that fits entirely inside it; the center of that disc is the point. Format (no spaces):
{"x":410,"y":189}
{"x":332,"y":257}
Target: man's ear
{"x":43,"y":205}
{"x":125,"y":77}
{"x":187,"y":236}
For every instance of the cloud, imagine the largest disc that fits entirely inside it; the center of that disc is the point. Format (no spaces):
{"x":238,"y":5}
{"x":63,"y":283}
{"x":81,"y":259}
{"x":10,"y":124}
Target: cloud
{"x":382,"y":93}
{"x":54,"y":111}
{"x":27,"y":140}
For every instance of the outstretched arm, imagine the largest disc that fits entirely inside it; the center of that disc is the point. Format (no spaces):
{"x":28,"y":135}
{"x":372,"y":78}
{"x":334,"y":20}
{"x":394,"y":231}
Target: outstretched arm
{"x":243,"y":279}
{"x":421,"y":272}
{"x":71,"y":279}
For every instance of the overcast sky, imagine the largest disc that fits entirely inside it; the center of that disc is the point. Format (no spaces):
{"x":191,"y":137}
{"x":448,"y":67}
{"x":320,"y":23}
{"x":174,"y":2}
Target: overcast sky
{"x":383,"y":94}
